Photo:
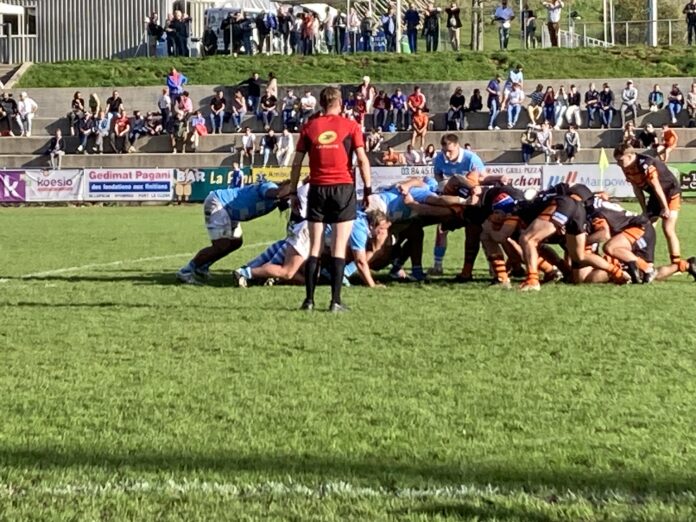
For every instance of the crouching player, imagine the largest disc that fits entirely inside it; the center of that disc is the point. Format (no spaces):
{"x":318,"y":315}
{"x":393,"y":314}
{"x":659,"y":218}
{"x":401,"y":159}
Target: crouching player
{"x":224,"y":210}
{"x":368,"y":239}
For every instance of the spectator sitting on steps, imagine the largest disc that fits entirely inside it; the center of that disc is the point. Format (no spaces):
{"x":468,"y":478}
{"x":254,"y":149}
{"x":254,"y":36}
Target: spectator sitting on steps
{"x":27,"y":108}
{"x":197,"y":129}
{"x":178,"y":131}
{"x":137,"y":130}
{"x":656,"y":100}
{"x":77,"y":111}
{"x":56,"y":150}
{"x":86,"y":128}
{"x":391,"y":157}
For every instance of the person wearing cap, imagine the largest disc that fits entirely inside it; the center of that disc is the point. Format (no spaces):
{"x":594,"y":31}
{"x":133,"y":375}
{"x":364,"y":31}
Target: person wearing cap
{"x":503,"y":16}
{"x":629,"y":102}
{"x":26,"y":109}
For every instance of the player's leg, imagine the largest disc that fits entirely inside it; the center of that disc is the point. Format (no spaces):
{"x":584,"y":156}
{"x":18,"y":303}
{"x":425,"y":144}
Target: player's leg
{"x":530,"y":240}
{"x":291,"y":264}
{"x":339,"y":244}
{"x":274,"y":254}
{"x":581,"y":257}
{"x":439,"y":251}
{"x":495,"y":255}
{"x":472,"y":245}
{"x":312,"y":266}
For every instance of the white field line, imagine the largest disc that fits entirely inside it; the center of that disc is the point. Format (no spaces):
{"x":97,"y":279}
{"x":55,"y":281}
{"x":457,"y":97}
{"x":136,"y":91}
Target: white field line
{"x":339,"y":490}
{"x":91,"y":266}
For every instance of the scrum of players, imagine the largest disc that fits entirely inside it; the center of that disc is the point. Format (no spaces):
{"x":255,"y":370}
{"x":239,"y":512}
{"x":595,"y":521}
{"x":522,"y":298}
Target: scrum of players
{"x":597,"y":241}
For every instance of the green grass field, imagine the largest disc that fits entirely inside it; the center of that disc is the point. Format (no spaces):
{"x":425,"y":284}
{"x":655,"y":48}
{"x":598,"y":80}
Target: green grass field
{"x":124,"y":396}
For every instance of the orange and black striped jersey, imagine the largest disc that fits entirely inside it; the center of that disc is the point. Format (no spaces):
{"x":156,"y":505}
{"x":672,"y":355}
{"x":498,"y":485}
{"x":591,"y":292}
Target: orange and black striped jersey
{"x":615,"y":217}
{"x":645,"y":169}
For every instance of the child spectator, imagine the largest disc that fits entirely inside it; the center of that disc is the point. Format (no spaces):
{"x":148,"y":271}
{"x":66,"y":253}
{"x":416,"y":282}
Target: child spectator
{"x":675,"y":102}
{"x":138,"y":129}
{"x":248,"y":147}
{"x":175,"y":84}
{"x":571,"y":143}
{"x":545,"y":142}
{"x":420,"y":127}
{"x":236,"y":176}
{"x":197,"y":129}
{"x":669,"y":143}
{"x":286,"y":148}
{"x":178,"y":131}
{"x":391,"y":157}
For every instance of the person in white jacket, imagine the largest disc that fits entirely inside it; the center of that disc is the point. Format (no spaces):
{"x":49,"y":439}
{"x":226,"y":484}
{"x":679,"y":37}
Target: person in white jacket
{"x":26,"y":108}
{"x":286,"y":148}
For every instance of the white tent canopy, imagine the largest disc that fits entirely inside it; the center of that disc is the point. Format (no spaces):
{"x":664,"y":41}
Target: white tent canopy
{"x":7,"y":9}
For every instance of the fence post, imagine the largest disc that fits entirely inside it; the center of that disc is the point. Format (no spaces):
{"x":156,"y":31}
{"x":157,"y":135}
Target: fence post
{"x":584,"y":35}
{"x":626,"y":26}
{"x":669,"y":32}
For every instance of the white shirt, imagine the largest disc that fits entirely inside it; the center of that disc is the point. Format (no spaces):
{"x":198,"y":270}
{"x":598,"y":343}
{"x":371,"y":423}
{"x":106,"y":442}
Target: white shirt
{"x":555,"y":12}
{"x":164,"y":102}
{"x":27,"y":106}
{"x":412,"y":158}
{"x":289,"y":102}
{"x":308,"y":102}
{"x":503,"y":12}
{"x":285,"y":142}
{"x":516,"y":97}
{"x":248,"y":141}
{"x":629,"y":96}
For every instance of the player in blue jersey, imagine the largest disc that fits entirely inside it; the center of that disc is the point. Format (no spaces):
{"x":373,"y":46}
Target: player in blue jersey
{"x":367,"y":239}
{"x":224,"y":210}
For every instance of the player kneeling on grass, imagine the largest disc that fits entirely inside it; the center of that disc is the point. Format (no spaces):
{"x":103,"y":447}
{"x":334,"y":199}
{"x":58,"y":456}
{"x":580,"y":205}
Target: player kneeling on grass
{"x":651,"y":175}
{"x":368,"y":238}
{"x":224,"y":210}
{"x":565,"y":215}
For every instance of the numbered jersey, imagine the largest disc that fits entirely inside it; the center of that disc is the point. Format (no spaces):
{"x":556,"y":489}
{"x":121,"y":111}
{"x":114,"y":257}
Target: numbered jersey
{"x":606,"y":214}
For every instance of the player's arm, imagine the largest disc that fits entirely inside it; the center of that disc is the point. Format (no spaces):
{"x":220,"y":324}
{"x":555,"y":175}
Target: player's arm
{"x":296,"y":170}
{"x":412,"y":182}
{"x":505,"y":232}
{"x":365,"y":173}
{"x":601,"y":232}
{"x":362,"y":263}
{"x":657,"y":188}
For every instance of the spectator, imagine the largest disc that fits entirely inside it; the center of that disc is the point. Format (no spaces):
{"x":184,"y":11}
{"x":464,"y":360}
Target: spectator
{"x":374,"y":140}
{"x":289,"y":103}
{"x":412,"y":156}
{"x":675,"y":102}
{"x":269,"y":144}
{"x":175,"y":84}
{"x":226,"y":30}
{"x":669,"y":143}
{"x":691,"y":104}
{"x":493,"y":103}
{"x":554,"y":23}
{"x":549,"y":105}
{"x":296,"y":34}
{"x":218,"y":104}
{"x":9,"y":112}
{"x":360,"y":109}
{"x":184,"y":105}
{"x":238,"y":110}
{"x":629,"y":102}
{"x":210,"y":42}
{"x":77,"y":111}
{"x":102,"y":127}
{"x":178,"y":26}
{"x":535,"y":108}
{"x":272,"y":85}
{"x":606,"y":106}
{"x":94,"y":104}
{"x":388,"y":21}
{"x":353,"y":29}
{"x":529,"y":25}
{"x":153,"y":124}
{"x":591,"y":104}
{"x":529,"y":143}
{"x":119,"y":133}
{"x":648,"y":137}
{"x":412,"y":21}
{"x":268,"y":109}
{"x":26,"y":109}
{"x":431,"y":28}
{"x":515,"y":105}
{"x":560,"y":107}
{"x":253,"y":84}
{"x":248,"y":147}
{"x":690,"y":12}
{"x":416,"y":100}
{"x":656,"y":100}
{"x":327,"y":27}
{"x":154,"y":34}
{"x":391,"y":157}
{"x":429,"y":154}
{"x":270,"y":24}
{"x":573,"y":111}
{"x":164,"y":104}
{"x":284,"y":29}
{"x":340,"y":24}
{"x":349,"y":106}
{"x":178,"y":130}
{"x":504,"y":16}
{"x":170,"y":35}
{"x":85,"y":129}
{"x":137,"y":130}
{"x":114,"y":104}
{"x":571,"y":143}
{"x":515,"y":75}
{"x":454,"y":25}
{"x":286,"y":148}
{"x":369,"y":92}
{"x":455,"y":114}
{"x":420,"y":127}
{"x":545,"y":142}
{"x":629,"y":135}
{"x":366,"y":30}
{"x":380,"y":110}
{"x":308,"y":104}
{"x":56,"y":150}
{"x":397,"y":102}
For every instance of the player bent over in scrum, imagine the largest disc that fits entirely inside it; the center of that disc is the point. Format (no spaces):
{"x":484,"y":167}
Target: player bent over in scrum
{"x":224,"y":210}
{"x":367,"y":239}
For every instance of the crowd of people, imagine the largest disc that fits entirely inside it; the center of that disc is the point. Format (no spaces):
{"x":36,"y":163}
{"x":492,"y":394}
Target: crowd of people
{"x":600,"y":242}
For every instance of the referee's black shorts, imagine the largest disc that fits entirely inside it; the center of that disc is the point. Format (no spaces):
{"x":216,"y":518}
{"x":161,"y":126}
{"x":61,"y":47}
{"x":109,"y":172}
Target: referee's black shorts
{"x":331,"y":203}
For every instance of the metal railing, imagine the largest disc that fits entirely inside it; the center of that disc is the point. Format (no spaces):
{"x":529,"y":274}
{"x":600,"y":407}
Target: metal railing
{"x":664,"y":33}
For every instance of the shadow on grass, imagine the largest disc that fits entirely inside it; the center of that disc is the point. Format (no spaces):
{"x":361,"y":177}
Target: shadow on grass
{"x":389,"y":473}
{"x":139,"y":278}
{"x":469,"y":511}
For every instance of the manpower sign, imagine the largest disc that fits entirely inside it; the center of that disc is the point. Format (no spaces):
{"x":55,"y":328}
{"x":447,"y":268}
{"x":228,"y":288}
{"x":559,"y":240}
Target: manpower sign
{"x":127,"y":184}
{"x":612,"y":181}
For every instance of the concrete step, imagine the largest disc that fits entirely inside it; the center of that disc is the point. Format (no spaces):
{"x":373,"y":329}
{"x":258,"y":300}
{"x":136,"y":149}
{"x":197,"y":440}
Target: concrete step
{"x":162,"y":160}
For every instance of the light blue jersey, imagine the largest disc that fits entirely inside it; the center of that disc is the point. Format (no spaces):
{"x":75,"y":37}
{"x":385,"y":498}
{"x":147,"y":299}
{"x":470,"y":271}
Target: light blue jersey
{"x":397,"y":210}
{"x":465,"y":163}
{"x":247,"y":203}
{"x":421,"y":194}
{"x":360,"y":234}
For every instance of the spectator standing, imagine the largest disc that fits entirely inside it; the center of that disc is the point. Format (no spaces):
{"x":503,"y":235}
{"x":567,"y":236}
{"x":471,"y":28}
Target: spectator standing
{"x":571,"y":143}
{"x":138,"y":128}
{"x":328,"y":27}
{"x":270,"y":22}
{"x":296,"y":34}
{"x":431,"y":28}
{"x":690,"y":12}
{"x":529,"y":25}
{"x":246,"y":32}
{"x":56,"y":150}
{"x":77,"y":111}
{"x":269,"y":144}
{"x":226,"y":30}
{"x":179,"y":27}
{"x":504,"y":16}
{"x":454,"y":25}
{"x":545,"y":142}
{"x":340,"y":24}
{"x":353,"y":29}
{"x":388,"y":22}
{"x":591,"y":104}
{"x":420,"y":127}
{"x":236,"y":176}
{"x":368,"y":91}
{"x":560,"y":107}
{"x":9,"y":112}
{"x":154,"y":34}
{"x":397,"y":101}
{"x":656,"y":100}
{"x":554,"y":21}
{"x":238,"y":110}
{"x":94,"y":104}
{"x":284,"y":29}
{"x":170,"y":35}
{"x":164,"y":104}
{"x":366,"y":29}
{"x":412,"y":21}
{"x":268,"y":109}
{"x":606,"y":106}
{"x":669,"y":143}
{"x":493,"y":90}
{"x":308,"y":105}
{"x":455,"y":113}
{"x":675,"y":102}
{"x":691,"y":105}
{"x":535,"y":108}
{"x":286,"y":148}
{"x":415,"y":101}
{"x":217,"y":112}
{"x":515,"y":105}
{"x":272,"y":85}
{"x":360,"y":109}
{"x":253,"y":84}
{"x":629,"y":103}
{"x":178,"y":130}
{"x":26,"y":109}
{"x":572,"y":114}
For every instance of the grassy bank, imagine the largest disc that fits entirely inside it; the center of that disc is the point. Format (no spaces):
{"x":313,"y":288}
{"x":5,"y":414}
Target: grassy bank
{"x":442,"y":66}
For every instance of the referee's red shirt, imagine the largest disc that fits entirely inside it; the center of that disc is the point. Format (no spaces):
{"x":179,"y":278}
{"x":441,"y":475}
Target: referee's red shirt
{"x":330,"y":142}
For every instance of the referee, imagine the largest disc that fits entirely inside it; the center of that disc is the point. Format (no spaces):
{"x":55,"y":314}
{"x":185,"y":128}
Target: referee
{"x":330,"y":140}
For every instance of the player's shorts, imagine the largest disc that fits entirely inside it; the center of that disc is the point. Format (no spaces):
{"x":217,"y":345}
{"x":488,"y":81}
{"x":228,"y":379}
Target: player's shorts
{"x":298,"y":239}
{"x":673,"y":203}
{"x":644,"y":246}
{"x":566,"y":212}
{"x":218,"y":221}
{"x":331,"y":203}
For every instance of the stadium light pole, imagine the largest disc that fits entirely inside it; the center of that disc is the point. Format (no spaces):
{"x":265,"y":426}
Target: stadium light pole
{"x":399,"y":34}
{"x":652,"y":12}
